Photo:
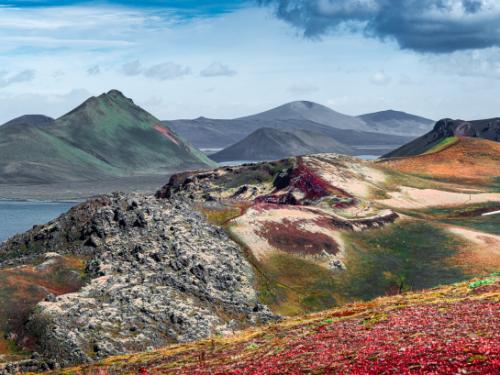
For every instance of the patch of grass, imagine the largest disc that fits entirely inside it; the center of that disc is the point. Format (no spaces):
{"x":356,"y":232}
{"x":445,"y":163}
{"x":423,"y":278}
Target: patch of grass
{"x":444,"y":144}
{"x":401,"y":257}
{"x":220,"y":216}
{"x":479,"y":283}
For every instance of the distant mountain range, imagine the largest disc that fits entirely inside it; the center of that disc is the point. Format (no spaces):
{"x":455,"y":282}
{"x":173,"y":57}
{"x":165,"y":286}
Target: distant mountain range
{"x":372,"y":133}
{"x":274,"y":144}
{"x":444,"y":130}
{"x":105,"y":137}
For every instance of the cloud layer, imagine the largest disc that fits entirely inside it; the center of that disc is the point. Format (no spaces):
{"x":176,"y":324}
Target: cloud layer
{"x":436,"y":26}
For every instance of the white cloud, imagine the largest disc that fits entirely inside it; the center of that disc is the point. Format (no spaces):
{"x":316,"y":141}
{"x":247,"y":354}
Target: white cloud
{"x":160,"y":72}
{"x":217,"y":69}
{"x":168,"y":70}
{"x":380,"y":78}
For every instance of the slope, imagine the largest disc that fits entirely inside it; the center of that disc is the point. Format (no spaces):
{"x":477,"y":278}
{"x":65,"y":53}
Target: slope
{"x":272,"y":144}
{"x":397,"y":122}
{"x":105,"y":137}
{"x":486,"y":129}
{"x":451,"y":329}
{"x":457,"y":159}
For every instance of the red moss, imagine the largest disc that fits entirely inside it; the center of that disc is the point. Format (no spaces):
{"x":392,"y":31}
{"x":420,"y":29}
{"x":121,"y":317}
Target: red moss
{"x":289,"y":237}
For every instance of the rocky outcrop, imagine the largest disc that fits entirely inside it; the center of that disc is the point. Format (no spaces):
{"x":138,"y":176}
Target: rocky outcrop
{"x":159,"y":273}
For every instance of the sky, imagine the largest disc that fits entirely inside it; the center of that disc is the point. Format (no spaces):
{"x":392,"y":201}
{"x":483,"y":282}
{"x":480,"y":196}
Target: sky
{"x":224,"y":59}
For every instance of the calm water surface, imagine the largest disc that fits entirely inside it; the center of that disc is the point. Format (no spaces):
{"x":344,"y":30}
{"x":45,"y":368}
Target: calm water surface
{"x":17,"y":217}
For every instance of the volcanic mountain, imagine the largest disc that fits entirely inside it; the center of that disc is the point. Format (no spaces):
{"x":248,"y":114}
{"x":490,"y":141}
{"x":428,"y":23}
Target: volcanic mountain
{"x":445,"y":130}
{"x":273,"y":144}
{"x":215,"y":133}
{"x":397,"y":122}
{"x":105,"y":137}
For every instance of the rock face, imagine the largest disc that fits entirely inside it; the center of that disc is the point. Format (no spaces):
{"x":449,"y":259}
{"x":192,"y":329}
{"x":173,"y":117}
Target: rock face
{"x":159,"y":273}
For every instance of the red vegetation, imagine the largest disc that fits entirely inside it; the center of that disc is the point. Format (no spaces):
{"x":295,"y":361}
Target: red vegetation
{"x":310,"y":184}
{"x":452,"y":330}
{"x":166,"y":133}
{"x":288,"y":236}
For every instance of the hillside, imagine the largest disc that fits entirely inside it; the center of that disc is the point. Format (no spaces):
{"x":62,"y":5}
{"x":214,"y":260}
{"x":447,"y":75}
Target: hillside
{"x":397,"y":122}
{"x":457,"y":159}
{"x":486,"y":129}
{"x":306,"y":116}
{"x":106,"y":137}
{"x":447,"y":330}
{"x":273,"y":144}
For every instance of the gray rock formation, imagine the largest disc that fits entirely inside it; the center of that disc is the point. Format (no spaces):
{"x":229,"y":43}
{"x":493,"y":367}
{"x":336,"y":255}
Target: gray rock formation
{"x":159,"y":273}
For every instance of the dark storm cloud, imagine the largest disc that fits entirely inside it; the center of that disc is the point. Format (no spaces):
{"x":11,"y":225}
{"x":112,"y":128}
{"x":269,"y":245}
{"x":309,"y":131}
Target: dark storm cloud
{"x":436,"y":26}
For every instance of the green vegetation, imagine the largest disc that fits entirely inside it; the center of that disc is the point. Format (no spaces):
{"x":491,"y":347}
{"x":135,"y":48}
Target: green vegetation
{"x":403,"y":256}
{"x":479,"y":283}
{"x":488,"y":224}
{"x":444,"y":144}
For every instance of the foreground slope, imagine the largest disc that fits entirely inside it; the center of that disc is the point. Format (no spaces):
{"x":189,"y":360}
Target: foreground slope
{"x":445,"y":129}
{"x":106,"y":137}
{"x":452,"y":329}
{"x":272,"y":144}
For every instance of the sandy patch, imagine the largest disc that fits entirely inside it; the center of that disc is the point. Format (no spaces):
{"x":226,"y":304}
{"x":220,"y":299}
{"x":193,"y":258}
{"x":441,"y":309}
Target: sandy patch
{"x":409,"y":197}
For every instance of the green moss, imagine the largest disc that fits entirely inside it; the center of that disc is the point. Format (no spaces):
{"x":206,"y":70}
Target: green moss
{"x":444,"y":144}
{"x":404,"y":256}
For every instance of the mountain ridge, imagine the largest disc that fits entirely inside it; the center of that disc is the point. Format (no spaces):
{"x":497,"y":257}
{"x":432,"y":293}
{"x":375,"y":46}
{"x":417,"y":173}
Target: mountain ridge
{"x":105,"y":137}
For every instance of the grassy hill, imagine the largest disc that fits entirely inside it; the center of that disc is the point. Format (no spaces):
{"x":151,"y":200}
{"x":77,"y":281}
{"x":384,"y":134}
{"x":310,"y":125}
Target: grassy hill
{"x":107,"y":136}
{"x":451,"y":329}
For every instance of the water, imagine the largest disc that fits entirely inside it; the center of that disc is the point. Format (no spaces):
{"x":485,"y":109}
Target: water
{"x":17,"y":217}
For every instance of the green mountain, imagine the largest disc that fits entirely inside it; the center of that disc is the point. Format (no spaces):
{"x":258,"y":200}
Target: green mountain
{"x":105,"y":137}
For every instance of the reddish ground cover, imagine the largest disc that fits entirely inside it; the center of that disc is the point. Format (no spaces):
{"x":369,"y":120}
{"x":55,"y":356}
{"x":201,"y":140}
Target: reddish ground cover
{"x":166,"y":133}
{"x":451,"y":330}
{"x":288,"y":236}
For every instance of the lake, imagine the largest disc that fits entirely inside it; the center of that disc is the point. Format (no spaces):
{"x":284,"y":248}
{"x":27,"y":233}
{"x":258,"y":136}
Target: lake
{"x":18,"y":216}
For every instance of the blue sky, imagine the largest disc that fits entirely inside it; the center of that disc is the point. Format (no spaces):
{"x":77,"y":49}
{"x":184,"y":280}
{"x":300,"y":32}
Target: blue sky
{"x":184,"y":59}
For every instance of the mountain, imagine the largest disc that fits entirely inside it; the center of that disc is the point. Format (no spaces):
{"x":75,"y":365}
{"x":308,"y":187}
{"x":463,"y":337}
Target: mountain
{"x":105,"y":137}
{"x":217,"y":134}
{"x":397,"y":122}
{"x":486,"y":129}
{"x":30,"y":120}
{"x":314,"y":112}
{"x":273,"y":144}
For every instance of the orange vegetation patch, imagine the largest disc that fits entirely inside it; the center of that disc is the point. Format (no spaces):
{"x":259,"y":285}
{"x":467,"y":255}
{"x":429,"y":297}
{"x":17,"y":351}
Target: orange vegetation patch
{"x":469,"y":159}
